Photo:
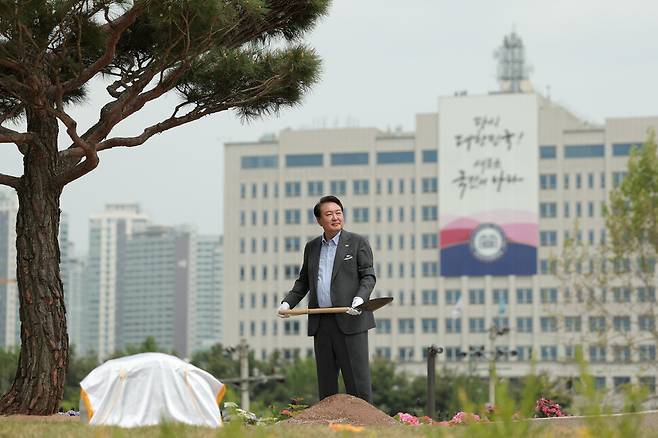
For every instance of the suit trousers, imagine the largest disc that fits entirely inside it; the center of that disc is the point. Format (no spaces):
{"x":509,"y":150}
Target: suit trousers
{"x":336,"y":351}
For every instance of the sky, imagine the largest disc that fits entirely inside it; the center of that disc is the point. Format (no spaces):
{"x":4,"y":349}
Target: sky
{"x":384,"y":61}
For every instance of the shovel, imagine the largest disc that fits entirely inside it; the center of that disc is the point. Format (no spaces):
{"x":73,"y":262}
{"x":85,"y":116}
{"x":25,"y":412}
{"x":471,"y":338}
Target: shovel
{"x":370,"y":305}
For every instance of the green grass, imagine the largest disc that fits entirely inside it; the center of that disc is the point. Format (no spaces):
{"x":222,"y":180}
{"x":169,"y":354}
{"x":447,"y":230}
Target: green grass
{"x":586,"y":428}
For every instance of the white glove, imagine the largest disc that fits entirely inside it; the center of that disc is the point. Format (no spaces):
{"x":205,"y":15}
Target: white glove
{"x":284,"y":306}
{"x":356,"y":302}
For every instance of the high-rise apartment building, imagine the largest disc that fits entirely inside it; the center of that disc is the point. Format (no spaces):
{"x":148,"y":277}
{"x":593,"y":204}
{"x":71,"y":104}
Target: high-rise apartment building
{"x":486,"y":264}
{"x":9,"y":319}
{"x":209,"y":291}
{"x":160,"y":288}
{"x":109,"y":233}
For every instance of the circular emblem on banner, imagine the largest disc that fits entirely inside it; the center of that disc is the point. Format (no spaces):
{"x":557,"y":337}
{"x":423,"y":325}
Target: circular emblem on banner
{"x":488,"y":242}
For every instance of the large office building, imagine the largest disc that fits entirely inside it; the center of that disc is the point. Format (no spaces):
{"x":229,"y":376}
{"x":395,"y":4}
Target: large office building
{"x":464,"y":215}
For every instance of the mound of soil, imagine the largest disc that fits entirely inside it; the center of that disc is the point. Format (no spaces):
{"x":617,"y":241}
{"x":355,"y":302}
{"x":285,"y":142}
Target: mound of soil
{"x":345,"y":409}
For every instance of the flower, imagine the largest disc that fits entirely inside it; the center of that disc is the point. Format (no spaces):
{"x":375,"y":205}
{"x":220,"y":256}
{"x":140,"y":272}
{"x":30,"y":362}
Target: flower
{"x":464,"y":418}
{"x":407,"y":418}
{"x":547,"y":408}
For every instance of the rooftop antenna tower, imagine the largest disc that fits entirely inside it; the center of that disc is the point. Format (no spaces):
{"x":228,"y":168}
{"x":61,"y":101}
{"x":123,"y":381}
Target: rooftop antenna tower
{"x":513,"y":73}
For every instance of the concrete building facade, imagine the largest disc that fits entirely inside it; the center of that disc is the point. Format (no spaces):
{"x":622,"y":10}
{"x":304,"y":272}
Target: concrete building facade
{"x":388,"y":182}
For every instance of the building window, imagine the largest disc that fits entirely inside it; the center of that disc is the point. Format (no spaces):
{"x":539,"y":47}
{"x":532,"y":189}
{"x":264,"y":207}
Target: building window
{"x":454,"y":354}
{"x":548,"y":181}
{"x":429,"y":325}
{"x":548,"y":238}
{"x":621,"y":323}
{"x":315,"y":188}
{"x":383,"y":326}
{"x":500,"y":296}
{"x":572,"y":324}
{"x":430,"y":156}
{"x":429,"y":297}
{"x":476,"y":325}
{"x":405,"y":326}
{"x":548,"y":324}
{"x":338,"y":187}
{"x":621,"y":353}
{"x":430,"y":185}
{"x":430,"y":240}
{"x":646,"y":323}
{"x":597,"y":323}
{"x":590,"y":180}
{"x":397,"y":157}
{"x":584,"y":151}
{"x":452,"y":296}
{"x":548,"y":353}
{"x":453,"y":325}
{"x":291,"y":328}
{"x":430,"y":212}
{"x":621,"y":294}
{"x":523,"y":353}
{"x":290,"y":272}
{"x":646,"y":295}
{"x":304,"y":160}
{"x":476,"y":296}
{"x":500,"y":322}
{"x":260,"y":162}
{"x":430,"y":269}
{"x":383,"y":352}
{"x":293,"y":189}
{"x":547,"y":209}
{"x":360,"y":186}
{"x":292,"y":244}
{"x":524,"y":324}
{"x":349,"y":159}
{"x":293,"y":216}
{"x":648,"y":382}
{"x":361,"y":214}
{"x":624,"y":149}
{"x":619,"y":382}
{"x":548,"y":295}
{"x":617,"y":178}
{"x":406,"y":354}
{"x":524,"y":296}
{"x":547,"y":152}
{"x":647,"y":353}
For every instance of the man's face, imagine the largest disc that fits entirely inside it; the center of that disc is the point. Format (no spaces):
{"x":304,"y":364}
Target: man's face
{"x":331,"y":218}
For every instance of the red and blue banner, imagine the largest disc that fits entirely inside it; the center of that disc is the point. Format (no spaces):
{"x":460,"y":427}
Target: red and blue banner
{"x":488,"y":182}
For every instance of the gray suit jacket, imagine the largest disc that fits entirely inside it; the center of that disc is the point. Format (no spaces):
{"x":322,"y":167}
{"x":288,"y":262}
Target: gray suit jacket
{"x":354,"y":277}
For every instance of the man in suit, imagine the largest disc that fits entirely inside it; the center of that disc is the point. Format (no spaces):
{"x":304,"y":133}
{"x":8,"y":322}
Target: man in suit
{"x":338,"y":271}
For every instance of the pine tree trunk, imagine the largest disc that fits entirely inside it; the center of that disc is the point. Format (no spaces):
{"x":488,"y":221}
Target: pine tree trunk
{"x":39,"y":383}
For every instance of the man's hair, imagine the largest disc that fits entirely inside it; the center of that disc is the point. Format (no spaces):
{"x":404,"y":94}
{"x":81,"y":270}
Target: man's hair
{"x":324,"y":200}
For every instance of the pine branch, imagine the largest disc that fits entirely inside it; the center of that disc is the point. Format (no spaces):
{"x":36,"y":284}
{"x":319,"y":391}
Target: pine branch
{"x":89,"y":150}
{"x":10,"y":181}
{"x":116,"y":29}
{"x":10,"y":136}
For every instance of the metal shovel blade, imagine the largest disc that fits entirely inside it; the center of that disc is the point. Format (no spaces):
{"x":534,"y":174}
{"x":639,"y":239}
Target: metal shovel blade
{"x":375,"y":303}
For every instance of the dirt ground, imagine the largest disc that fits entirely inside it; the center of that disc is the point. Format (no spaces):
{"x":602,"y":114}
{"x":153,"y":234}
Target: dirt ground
{"x":343,"y":409}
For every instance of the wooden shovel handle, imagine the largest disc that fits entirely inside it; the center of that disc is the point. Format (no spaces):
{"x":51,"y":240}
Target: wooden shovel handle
{"x":293,"y":312}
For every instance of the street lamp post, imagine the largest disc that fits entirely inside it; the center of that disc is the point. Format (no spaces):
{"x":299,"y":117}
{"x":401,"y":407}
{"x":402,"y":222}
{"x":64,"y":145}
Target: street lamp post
{"x":432,"y":351}
{"x":494,"y":332}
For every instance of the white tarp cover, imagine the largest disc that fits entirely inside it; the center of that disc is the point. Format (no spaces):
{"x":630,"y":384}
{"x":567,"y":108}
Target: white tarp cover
{"x":148,"y":388}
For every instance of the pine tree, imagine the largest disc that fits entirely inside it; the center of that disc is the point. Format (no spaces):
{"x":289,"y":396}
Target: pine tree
{"x":214,"y":55}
